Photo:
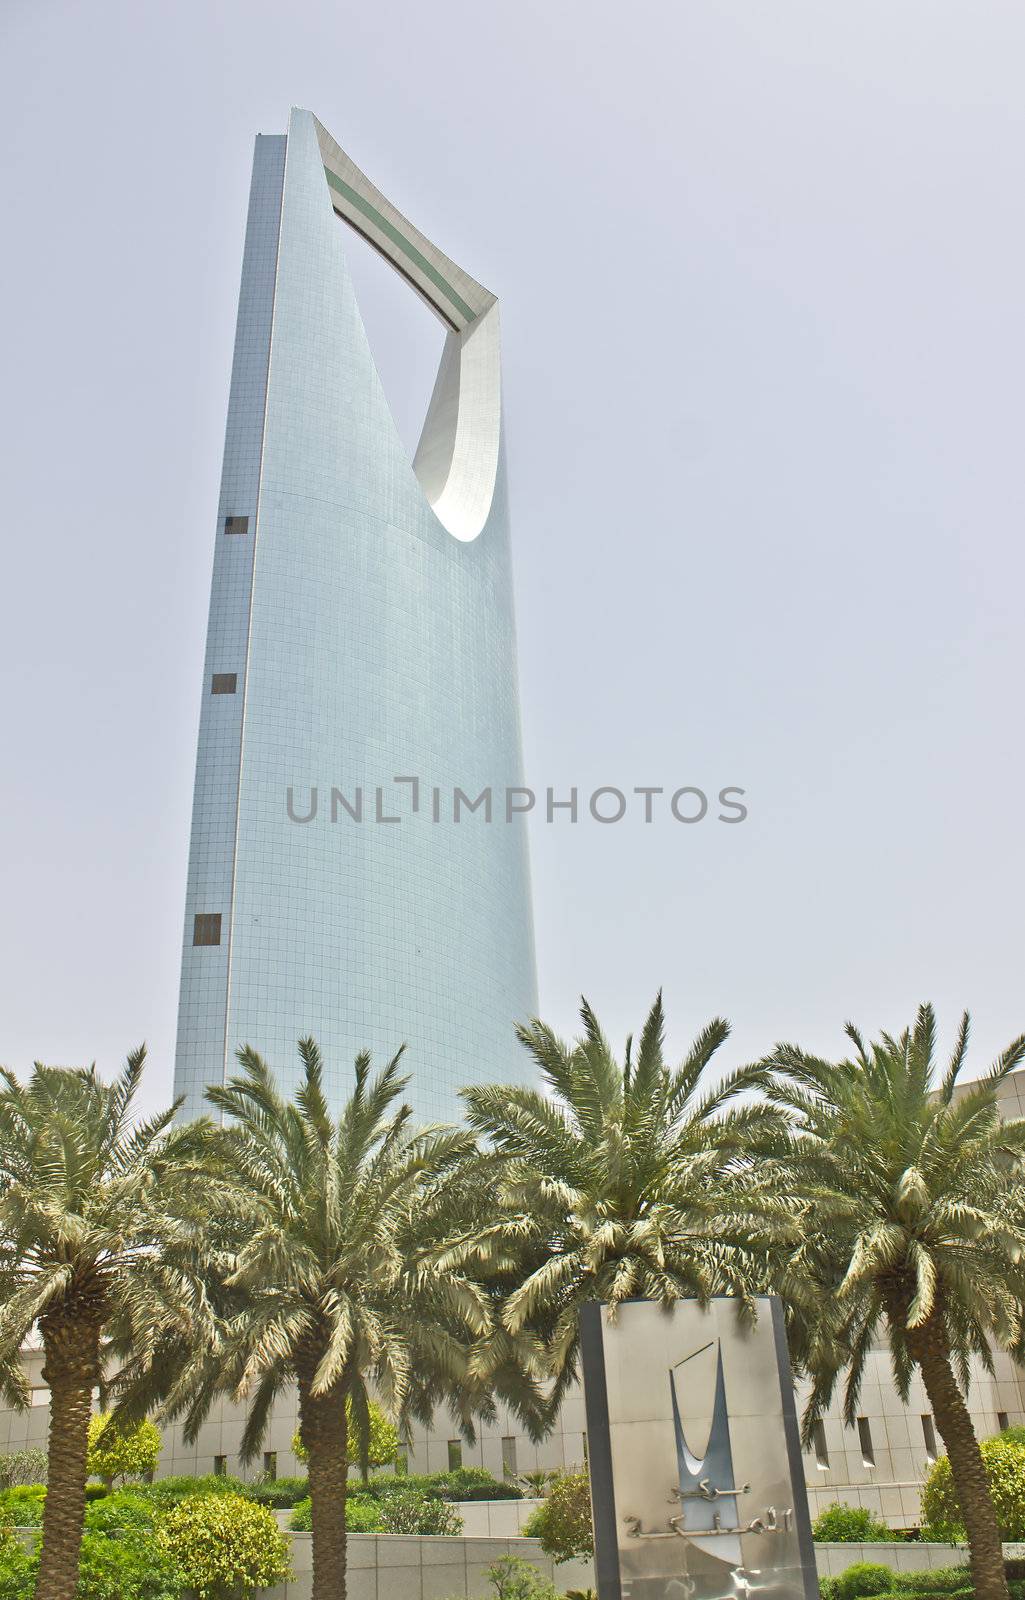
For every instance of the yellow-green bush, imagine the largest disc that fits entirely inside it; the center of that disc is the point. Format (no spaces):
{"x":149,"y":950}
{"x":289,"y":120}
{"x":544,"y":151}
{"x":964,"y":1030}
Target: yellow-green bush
{"x":224,"y":1546}
{"x":1005,"y":1468}
{"x":562,"y":1521}
{"x":383,"y":1443}
{"x":114,"y":1454}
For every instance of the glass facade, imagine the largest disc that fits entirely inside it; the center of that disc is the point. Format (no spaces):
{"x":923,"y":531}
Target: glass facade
{"x":367,"y":642}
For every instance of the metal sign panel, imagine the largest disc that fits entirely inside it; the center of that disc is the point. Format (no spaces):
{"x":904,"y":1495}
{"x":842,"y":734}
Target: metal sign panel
{"x":697,"y":1484}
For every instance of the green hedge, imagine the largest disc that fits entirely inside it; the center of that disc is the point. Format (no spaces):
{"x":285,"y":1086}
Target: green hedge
{"x":465,"y":1483}
{"x":928,"y":1594}
{"x":869,"y":1580}
{"x":168,"y":1492}
{"x":22,"y":1506}
{"x":844,"y":1524}
{"x":362,"y":1515}
{"x":941,"y":1580}
{"x":279,"y":1493}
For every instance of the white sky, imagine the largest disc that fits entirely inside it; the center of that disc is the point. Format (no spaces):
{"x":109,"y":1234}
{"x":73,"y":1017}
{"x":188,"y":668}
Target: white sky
{"x":761,"y":275}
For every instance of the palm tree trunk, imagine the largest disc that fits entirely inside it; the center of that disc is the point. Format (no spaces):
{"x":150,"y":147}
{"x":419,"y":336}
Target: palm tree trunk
{"x":71,"y":1368}
{"x":929,"y":1349}
{"x":326,"y":1439}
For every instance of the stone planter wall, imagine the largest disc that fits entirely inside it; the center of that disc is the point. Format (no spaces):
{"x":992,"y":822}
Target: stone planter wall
{"x":907,"y":1556}
{"x":389,"y":1567}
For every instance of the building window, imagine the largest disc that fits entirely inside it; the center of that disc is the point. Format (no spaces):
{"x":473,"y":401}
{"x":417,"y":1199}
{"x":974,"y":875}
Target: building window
{"x":929,"y":1435}
{"x":401,"y":1461}
{"x":455,"y":1454}
{"x":583,"y":1438}
{"x":206,"y":929}
{"x":868,"y":1455}
{"x":220,"y":1466}
{"x":236,"y":524}
{"x":1002,"y":1421}
{"x":224,"y":683}
{"x":818,"y":1439}
{"x":270,"y":1464}
{"x":508,"y":1458}
{"x":40,"y":1397}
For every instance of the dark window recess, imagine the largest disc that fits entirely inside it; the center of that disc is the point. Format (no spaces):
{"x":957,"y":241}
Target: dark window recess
{"x":818,"y":1439}
{"x":929,"y":1435}
{"x":206,"y":929}
{"x":224,"y":683}
{"x":1002,"y":1421}
{"x":455,"y":1454}
{"x":868,"y":1455}
{"x":236,"y":524}
{"x":220,"y":1466}
{"x":270,"y":1465}
{"x":509,"y":1457}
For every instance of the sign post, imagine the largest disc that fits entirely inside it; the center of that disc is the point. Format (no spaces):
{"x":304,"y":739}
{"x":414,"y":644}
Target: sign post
{"x":697,"y":1484}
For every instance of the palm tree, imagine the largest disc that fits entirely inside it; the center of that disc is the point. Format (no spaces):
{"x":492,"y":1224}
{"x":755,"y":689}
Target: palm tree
{"x":345,"y":1258}
{"x":914,"y":1233}
{"x":94,"y":1226}
{"x":619,"y":1181}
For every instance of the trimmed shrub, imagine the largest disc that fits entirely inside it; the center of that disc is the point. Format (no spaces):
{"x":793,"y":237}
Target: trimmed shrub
{"x":1005,"y":1469}
{"x":930,"y":1594}
{"x":414,"y":1511}
{"x":468,"y":1483}
{"x":843,"y":1524}
{"x":168,"y":1492}
{"x":941,"y":1580}
{"x":562,"y":1521}
{"x":863,"y":1579}
{"x":361,"y":1515}
{"x":224,"y":1546}
{"x":22,"y":1506}
{"x":475,"y":1483}
{"x":21,"y":1467}
{"x":281,"y":1493}
{"x":464,"y":1483}
{"x":116,"y":1454}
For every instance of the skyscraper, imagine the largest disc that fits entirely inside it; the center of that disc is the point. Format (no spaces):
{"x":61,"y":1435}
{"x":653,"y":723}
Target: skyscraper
{"x":360,"y":666}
